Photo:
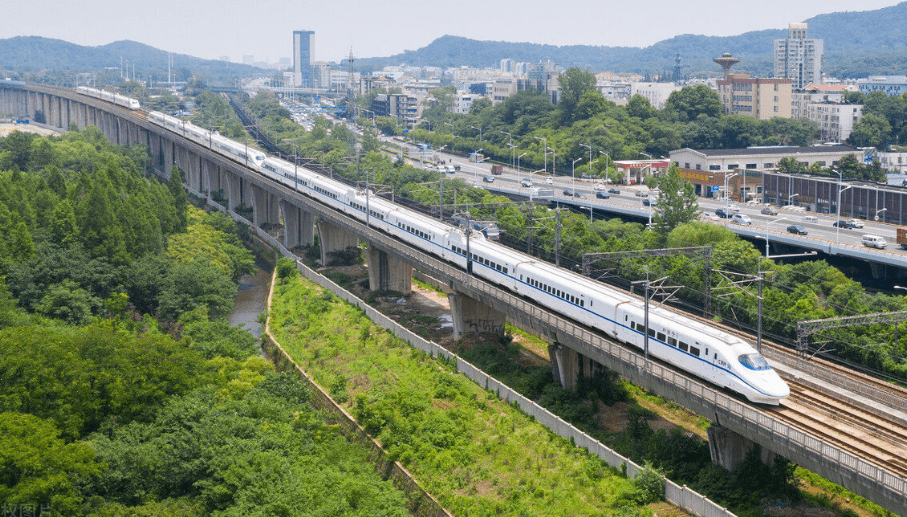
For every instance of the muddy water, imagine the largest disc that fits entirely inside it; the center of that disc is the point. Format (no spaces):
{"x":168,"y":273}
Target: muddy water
{"x":251,"y":300}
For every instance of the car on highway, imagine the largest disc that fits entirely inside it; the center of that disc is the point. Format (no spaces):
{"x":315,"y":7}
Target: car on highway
{"x":841,"y":223}
{"x":650,"y":201}
{"x":602,"y":195}
{"x":613,"y":190}
{"x":710,"y":216}
{"x":526,"y":182}
{"x":768,"y":211}
{"x":549,"y":181}
{"x":488,"y":179}
{"x":797,"y":229}
{"x":599,"y":186}
{"x":641,"y":193}
{"x":456,"y":167}
{"x":742,"y":219}
{"x":572,"y":193}
{"x":724,"y":213}
{"x":856,"y":223}
{"x":734,"y":208}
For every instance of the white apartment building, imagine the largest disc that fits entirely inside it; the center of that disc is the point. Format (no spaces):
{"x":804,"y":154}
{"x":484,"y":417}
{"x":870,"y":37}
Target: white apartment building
{"x":656,"y":93}
{"x":463,"y":101}
{"x":798,"y":57}
{"x":893,"y":163}
{"x":835,"y":121}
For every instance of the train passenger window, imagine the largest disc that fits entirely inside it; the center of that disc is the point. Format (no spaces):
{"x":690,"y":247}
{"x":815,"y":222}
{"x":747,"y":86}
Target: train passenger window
{"x":683,"y":346}
{"x":661,"y":336}
{"x":694,"y":351}
{"x":505,"y":270}
{"x":672,"y":341}
{"x":582,"y":303}
{"x":651,"y":332}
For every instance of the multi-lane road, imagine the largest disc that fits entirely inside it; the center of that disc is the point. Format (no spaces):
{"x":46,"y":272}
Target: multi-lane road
{"x":822,"y":235}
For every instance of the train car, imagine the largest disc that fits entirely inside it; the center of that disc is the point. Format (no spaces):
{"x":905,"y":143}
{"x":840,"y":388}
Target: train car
{"x":209,"y":139}
{"x":120,"y":100}
{"x":701,"y":350}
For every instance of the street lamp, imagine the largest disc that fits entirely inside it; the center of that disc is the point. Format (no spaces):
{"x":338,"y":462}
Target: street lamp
{"x":512,"y":152}
{"x":590,"y":211}
{"x":589,"y":147}
{"x":727,"y":196}
{"x":790,"y":199}
{"x":480,"y":132}
{"x":648,"y":165}
{"x":441,"y":188}
{"x":876,"y":218}
{"x":476,"y":168}
{"x":573,"y":173}
{"x":545,"y":141}
{"x":518,"y":162}
{"x":607,"y":159}
{"x":838,"y":220}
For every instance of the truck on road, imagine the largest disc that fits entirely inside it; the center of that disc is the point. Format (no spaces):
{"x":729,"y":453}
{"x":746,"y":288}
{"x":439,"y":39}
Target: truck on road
{"x":902,"y":236}
{"x":497,"y":170}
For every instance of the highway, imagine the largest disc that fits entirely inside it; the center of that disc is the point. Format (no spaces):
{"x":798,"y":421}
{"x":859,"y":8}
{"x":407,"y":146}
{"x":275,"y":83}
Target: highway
{"x":821,"y":235}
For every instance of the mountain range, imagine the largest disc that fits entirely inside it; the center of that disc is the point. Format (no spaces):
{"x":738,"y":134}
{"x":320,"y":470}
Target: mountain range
{"x":857,"y":44}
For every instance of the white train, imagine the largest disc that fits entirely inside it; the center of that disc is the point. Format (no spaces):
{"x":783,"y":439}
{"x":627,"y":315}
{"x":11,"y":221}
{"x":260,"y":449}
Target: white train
{"x":708,"y":353}
{"x":120,"y":100}
{"x":210,"y":139}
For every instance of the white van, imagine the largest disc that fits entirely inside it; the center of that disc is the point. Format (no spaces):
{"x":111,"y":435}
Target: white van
{"x":874,"y":241}
{"x":810,"y":219}
{"x":742,"y":219}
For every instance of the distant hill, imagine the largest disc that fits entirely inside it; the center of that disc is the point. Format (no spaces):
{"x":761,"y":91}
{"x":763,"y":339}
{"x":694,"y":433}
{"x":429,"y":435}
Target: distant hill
{"x":856,"y":44}
{"x":34,"y":53}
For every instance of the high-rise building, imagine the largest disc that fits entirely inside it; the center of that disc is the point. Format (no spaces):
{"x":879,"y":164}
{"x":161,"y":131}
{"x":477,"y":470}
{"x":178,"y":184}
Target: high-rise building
{"x":302,"y":57}
{"x":798,"y":57}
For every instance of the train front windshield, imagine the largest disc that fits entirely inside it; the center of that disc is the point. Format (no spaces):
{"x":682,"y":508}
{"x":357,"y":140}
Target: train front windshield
{"x":754,"y":362}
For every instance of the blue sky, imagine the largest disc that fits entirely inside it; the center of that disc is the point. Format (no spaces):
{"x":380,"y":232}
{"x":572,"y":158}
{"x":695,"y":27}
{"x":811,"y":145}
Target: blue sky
{"x":214,"y":28}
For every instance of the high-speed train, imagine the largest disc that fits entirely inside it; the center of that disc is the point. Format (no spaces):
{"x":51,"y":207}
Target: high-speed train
{"x":704,"y":351}
{"x":210,"y":139}
{"x":120,"y":100}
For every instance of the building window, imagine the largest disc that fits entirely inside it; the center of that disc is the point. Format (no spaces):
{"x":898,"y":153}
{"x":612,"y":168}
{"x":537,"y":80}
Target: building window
{"x":733,"y":166}
{"x":768,"y":165}
{"x":751,"y":166}
{"x":698,"y":167}
{"x":686,"y":165}
{"x":776,"y":109}
{"x":714,"y":167}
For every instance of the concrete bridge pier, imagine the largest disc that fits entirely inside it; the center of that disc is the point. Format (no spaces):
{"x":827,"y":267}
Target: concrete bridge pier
{"x":234,"y":190}
{"x":565,"y":365}
{"x":334,"y":239}
{"x":729,"y":449}
{"x":471,"y":316}
{"x":388,"y":273}
{"x":298,"y":225}
{"x":264,"y":207}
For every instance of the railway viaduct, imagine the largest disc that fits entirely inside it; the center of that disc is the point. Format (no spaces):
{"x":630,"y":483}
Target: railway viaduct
{"x":477,"y":306}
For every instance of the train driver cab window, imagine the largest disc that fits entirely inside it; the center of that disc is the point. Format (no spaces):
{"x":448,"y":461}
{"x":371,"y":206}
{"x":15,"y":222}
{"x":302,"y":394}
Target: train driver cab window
{"x":754,"y":362}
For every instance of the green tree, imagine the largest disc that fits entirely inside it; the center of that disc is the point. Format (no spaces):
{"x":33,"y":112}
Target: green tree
{"x":691,"y":102}
{"x":38,"y":468}
{"x":180,"y":198}
{"x":871,"y":131}
{"x":193,"y":284}
{"x":789,"y":164}
{"x":640,"y":107}
{"x":676,"y":205}
{"x":70,"y":303}
{"x":574,"y":84}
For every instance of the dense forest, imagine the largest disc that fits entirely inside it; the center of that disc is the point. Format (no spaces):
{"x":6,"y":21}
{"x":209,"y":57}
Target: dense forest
{"x":123,"y":389}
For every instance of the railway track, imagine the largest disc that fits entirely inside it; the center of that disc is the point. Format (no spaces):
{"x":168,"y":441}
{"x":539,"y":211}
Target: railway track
{"x":847,"y":426}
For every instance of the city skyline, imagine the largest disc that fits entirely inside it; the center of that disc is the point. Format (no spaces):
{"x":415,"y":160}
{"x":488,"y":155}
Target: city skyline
{"x":231,"y":28}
